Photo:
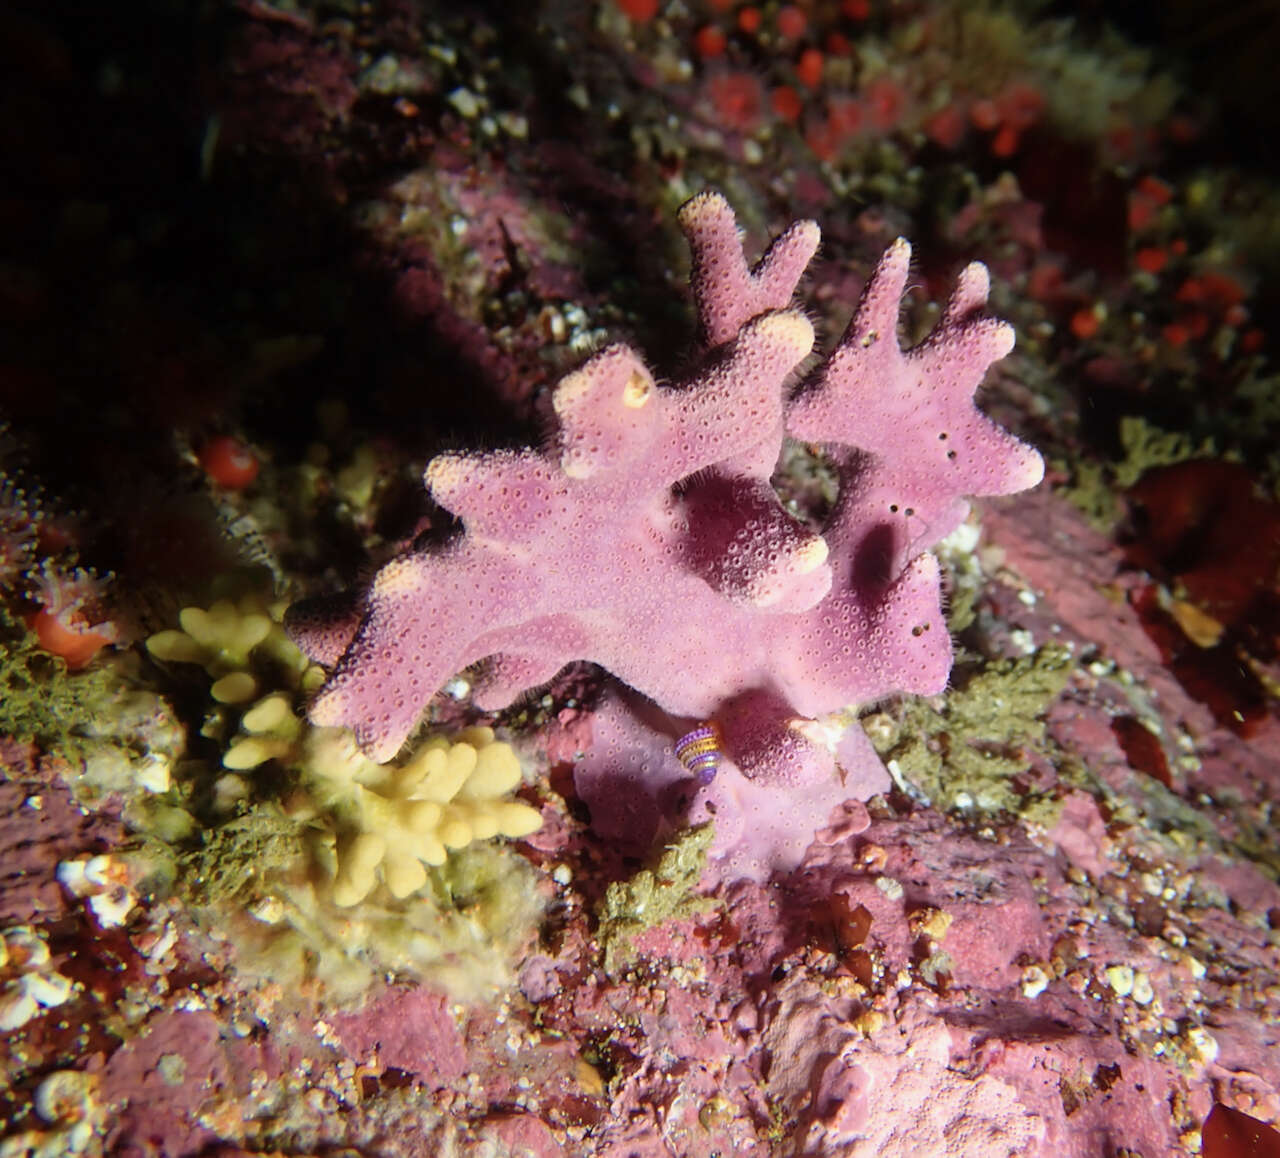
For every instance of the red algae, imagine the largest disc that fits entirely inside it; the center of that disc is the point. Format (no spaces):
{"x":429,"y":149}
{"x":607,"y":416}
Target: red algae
{"x":1228,"y":1133}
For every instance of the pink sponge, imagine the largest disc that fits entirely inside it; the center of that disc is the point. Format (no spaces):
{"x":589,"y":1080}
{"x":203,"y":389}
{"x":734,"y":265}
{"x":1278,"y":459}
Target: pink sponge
{"x":648,"y":539}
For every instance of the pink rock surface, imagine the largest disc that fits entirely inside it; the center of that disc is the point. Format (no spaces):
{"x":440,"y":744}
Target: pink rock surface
{"x":406,"y":1029}
{"x":158,"y":1086}
{"x":41,"y":825}
{"x":435,"y":242}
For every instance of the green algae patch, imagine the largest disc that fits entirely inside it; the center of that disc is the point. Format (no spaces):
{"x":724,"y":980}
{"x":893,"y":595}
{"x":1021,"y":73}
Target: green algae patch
{"x":1091,"y":491}
{"x":1096,"y":487}
{"x":492,"y":890}
{"x":1147,"y":447}
{"x":962,"y":601}
{"x":235,"y":859}
{"x":654,"y":896}
{"x":964,"y":752}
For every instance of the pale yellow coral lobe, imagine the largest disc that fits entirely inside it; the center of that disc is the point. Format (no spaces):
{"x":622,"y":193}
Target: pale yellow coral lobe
{"x":574,"y":388}
{"x":237,"y":687}
{"x":637,"y":391}
{"x":788,"y":328}
{"x":329,"y":708}
{"x":446,"y":796}
{"x":399,"y":578}
{"x":449,"y":473}
{"x":389,"y":822}
{"x":811,"y":555}
{"x":226,"y":639}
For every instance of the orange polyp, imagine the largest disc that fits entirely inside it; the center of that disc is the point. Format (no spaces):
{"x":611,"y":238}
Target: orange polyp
{"x":738,"y":100}
{"x":786,"y":103}
{"x":1005,"y":142}
{"x":791,"y":22}
{"x":1084,"y":323}
{"x":641,"y":11}
{"x":1197,"y":324}
{"x":837,"y":44}
{"x":1020,"y":105}
{"x":228,"y":462}
{"x":946,"y":126}
{"x":844,"y":117}
{"x":1191,"y":290}
{"x":885,"y":100}
{"x":1044,"y":281}
{"x":1158,"y":191}
{"x":1142,"y":211}
{"x":76,"y":648}
{"x":809,"y":68}
{"x":821,"y":139}
{"x":1151,"y":259}
{"x":1235,"y":315}
{"x":1222,"y":289}
{"x":984,"y":115}
{"x":709,"y":42}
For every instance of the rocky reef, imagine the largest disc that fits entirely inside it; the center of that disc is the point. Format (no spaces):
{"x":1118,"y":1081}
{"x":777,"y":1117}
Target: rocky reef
{"x":737,"y":745}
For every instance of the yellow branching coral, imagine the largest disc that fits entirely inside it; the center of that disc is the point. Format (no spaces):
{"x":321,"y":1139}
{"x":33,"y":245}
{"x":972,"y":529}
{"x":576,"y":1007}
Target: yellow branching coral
{"x":327,"y":869}
{"x":233,"y":641}
{"x":388,"y":822}
{"x":396,"y":819}
{"x":399,"y":819}
{"x":270,"y":730}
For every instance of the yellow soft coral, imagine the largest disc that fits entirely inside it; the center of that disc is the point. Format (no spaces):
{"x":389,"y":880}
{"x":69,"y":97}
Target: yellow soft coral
{"x":399,"y":819}
{"x":390,"y":821}
{"x":232,"y":641}
{"x":270,"y":730}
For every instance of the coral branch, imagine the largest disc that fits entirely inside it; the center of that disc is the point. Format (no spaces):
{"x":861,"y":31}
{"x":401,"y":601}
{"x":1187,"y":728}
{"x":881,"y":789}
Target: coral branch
{"x":648,"y":538}
{"x":728,"y":294}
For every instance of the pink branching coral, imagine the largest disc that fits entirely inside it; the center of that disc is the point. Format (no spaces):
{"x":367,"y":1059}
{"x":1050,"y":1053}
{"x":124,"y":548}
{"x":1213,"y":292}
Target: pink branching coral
{"x":650,"y":541}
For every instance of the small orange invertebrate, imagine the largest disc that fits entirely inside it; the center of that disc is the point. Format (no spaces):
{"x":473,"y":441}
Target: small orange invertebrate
{"x":228,"y":462}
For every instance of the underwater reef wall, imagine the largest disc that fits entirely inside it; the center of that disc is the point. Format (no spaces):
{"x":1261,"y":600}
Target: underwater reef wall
{"x":265,"y":260}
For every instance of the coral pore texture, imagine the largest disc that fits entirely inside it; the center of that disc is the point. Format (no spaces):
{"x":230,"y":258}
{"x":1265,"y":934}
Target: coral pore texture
{"x":649,"y":540}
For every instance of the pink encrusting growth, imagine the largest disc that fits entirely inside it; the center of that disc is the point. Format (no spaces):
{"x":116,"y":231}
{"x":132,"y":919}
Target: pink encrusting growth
{"x":650,"y":541}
